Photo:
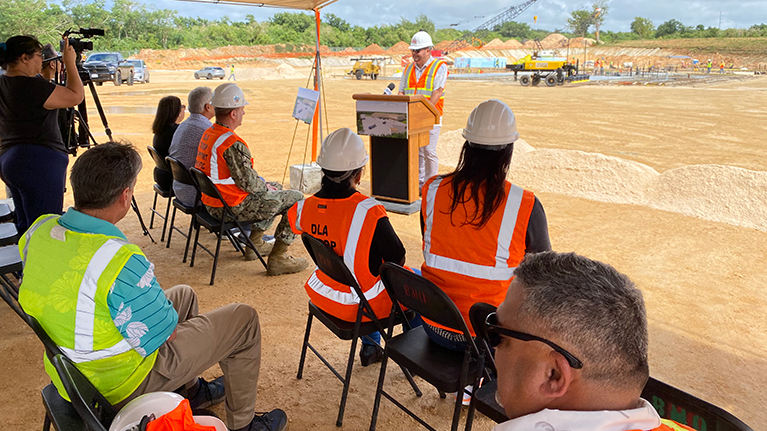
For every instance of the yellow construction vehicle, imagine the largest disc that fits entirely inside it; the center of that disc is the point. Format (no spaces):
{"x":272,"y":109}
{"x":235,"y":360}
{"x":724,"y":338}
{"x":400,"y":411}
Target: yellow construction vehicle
{"x":365,"y":67}
{"x":544,"y":66}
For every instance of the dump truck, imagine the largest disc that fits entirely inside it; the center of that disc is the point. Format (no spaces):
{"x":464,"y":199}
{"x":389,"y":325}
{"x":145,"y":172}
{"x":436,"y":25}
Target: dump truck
{"x":365,"y":67}
{"x":544,"y":66}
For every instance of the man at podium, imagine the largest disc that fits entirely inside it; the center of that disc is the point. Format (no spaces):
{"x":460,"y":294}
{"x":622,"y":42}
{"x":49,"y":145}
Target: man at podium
{"x":426,"y":75}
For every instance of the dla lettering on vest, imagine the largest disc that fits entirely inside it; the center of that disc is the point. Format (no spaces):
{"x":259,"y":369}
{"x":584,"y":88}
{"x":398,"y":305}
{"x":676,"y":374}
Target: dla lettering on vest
{"x":318,"y":229}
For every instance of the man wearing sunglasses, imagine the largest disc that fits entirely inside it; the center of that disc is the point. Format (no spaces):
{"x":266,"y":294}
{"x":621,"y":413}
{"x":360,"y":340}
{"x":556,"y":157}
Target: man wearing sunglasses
{"x":571,"y":348}
{"x":427,"y":76}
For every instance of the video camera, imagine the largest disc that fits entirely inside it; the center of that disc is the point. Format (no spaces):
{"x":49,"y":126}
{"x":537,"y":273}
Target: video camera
{"x":81,"y":45}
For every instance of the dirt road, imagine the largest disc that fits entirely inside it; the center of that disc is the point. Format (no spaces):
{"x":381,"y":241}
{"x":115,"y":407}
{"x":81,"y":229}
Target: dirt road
{"x":704,"y":282}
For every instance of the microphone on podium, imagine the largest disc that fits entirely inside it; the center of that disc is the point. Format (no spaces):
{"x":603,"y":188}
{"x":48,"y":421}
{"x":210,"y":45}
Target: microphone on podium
{"x":389,"y":89}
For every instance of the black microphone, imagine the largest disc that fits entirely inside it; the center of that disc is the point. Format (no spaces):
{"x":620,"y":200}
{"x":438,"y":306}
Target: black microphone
{"x":389,"y":89}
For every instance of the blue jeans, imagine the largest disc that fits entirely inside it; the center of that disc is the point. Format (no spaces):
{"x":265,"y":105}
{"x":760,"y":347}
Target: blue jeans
{"x":36,"y":176}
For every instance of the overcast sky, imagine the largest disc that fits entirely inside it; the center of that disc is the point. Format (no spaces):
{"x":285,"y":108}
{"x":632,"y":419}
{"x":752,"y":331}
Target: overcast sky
{"x":552,"y":14}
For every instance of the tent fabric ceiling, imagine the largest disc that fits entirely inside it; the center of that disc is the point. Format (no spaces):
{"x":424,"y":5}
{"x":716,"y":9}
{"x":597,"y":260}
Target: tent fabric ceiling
{"x":289,"y":4}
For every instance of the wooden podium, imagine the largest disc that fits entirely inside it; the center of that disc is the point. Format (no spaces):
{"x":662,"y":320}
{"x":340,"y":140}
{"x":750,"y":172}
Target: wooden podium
{"x":397,"y":126}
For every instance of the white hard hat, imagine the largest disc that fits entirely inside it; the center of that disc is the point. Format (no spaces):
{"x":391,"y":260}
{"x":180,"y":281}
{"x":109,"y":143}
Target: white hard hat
{"x":158,"y":404}
{"x":420,"y":40}
{"x":228,"y":95}
{"x":491,"y":123}
{"x":342,"y":151}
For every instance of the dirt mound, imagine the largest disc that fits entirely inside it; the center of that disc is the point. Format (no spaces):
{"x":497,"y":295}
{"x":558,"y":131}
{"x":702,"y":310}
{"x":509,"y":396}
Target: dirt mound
{"x":372,"y":49}
{"x":494,"y":44}
{"x":530,"y":44}
{"x":451,"y":143}
{"x":443,"y":45}
{"x":578,"y":41}
{"x":554,"y":40}
{"x":512,"y":44}
{"x":399,"y":48}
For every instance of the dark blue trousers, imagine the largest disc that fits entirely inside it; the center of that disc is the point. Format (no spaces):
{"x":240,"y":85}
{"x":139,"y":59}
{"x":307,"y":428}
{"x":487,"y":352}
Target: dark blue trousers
{"x":36,"y":176}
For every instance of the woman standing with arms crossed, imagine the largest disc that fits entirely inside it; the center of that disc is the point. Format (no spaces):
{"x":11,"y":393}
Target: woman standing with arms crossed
{"x":33,"y":157}
{"x":477,"y":226}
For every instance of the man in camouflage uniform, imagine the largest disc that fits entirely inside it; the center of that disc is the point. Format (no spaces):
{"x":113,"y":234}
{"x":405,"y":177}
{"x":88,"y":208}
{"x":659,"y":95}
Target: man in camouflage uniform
{"x":226,"y":159}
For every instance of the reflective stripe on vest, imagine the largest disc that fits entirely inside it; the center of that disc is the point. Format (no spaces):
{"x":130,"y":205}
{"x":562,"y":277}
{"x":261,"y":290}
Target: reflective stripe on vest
{"x":86,"y":307}
{"x":28,"y":236}
{"x":214,"y":161}
{"x":501,"y":270}
{"x":350,"y":254}
{"x":431,"y":73}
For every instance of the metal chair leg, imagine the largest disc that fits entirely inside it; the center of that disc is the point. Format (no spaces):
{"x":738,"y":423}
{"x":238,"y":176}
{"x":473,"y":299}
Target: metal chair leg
{"x":172,"y":220}
{"x":154,"y":206}
{"x":379,"y":392}
{"x":196,"y":239}
{"x":165,"y":223}
{"x":347,"y":379}
{"x":215,"y":256}
{"x":304,"y":347}
{"x":188,"y":237}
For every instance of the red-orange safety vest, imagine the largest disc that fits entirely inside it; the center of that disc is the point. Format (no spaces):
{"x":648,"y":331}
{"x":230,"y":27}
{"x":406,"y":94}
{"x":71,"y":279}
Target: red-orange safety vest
{"x":472,"y":265}
{"x":347,"y":226}
{"x":424,"y":85}
{"x":210,"y":160}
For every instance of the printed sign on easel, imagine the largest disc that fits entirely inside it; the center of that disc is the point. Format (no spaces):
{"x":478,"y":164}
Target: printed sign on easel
{"x":306,"y":103}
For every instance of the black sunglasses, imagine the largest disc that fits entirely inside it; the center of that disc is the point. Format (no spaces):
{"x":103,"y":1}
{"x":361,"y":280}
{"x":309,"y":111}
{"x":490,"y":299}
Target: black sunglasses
{"x":416,"y":51}
{"x":494,"y":333}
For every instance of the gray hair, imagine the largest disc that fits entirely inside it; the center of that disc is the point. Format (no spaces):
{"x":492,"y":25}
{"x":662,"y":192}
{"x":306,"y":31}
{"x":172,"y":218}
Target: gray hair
{"x":101,"y":174}
{"x":591,"y":306}
{"x":198,"y":98}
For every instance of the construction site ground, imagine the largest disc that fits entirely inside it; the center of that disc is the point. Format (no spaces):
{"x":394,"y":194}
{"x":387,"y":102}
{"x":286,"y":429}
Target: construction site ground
{"x":669,"y":185}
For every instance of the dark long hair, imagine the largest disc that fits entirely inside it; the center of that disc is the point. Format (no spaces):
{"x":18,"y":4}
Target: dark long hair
{"x":481,"y":172}
{"x":167,"y":112}
{"x":17,"y":46}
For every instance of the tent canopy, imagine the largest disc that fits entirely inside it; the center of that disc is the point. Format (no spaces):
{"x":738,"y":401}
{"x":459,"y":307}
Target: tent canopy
{"x":289,"y":4}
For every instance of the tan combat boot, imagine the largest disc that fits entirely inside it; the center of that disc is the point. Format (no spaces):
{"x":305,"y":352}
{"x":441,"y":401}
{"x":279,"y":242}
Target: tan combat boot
{"x":263,"y":247}
{"x":280,"y":262}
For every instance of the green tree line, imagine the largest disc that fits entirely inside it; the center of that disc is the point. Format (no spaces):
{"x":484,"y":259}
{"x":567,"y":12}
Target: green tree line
{"x":133,"y":25}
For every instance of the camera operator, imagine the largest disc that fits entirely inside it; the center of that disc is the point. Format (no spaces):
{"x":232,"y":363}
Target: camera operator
{"x":33,"y":157}
{"x":50,"y":69}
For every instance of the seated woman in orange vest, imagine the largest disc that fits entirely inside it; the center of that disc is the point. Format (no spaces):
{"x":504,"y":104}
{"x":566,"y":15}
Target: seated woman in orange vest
{"x":356,"y":227}
{"x":477,"y":226}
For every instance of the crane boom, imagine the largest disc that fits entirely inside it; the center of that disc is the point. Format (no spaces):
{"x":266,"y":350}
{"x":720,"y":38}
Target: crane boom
{"x":505,"y":16}
{"x":508,"y":15}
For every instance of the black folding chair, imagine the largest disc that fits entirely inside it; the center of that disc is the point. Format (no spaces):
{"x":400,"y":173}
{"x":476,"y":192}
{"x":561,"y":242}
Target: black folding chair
{"x":334,"y":267}
{"x":95,"y":411}
{"x":182,"y":175}
{"x":220,"y":227}
{"x":159,"y":162}
{"x":672,"y":403}
{"x":446,"y":370}
{"x":483,"y":398}
{"x":6,"y":214}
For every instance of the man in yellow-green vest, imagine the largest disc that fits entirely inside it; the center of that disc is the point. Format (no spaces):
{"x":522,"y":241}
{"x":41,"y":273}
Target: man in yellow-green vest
{"x":95,"y":294}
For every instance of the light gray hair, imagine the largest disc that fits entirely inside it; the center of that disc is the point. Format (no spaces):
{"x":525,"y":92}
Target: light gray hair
{"x":591,"y":306}
{"x":198,"y":98}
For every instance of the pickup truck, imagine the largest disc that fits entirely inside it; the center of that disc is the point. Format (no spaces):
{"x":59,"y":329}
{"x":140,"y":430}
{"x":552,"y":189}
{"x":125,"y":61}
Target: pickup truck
{"x":109,"y":66}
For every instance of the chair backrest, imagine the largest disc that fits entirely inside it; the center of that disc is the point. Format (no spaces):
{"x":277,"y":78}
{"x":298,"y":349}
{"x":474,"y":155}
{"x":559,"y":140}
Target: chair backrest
{"x":92,"y":407}
{"x":424,"y":297}
{"x":159,"y":161}
{"x":677,"y":405}
{"x":477,"y":316}
{"x":179,"y":171}
{"x":204,"y":183}
{"x":334,"y":267}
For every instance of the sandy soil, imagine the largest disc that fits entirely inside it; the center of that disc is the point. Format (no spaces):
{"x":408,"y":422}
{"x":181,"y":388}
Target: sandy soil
{"x":703,"y":280}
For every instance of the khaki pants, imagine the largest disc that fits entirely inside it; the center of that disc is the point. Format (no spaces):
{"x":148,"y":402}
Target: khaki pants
{"x":229,"y":336}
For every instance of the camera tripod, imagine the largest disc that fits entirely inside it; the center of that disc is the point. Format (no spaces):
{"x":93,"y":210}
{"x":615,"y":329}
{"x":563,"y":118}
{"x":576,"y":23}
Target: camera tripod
{"x":84,"y":138}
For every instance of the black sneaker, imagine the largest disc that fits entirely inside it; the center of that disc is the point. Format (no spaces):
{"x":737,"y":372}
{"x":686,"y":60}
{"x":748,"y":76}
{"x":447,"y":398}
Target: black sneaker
{"x":208,"y":394}
{"x":370,"y":354}
{"x":275,"y":420}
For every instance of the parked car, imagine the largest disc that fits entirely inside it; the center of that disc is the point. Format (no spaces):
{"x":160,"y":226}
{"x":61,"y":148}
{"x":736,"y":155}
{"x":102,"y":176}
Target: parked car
{"x":140,"y":70}
{"x":210,"y":73}
{"x":109,"y":66}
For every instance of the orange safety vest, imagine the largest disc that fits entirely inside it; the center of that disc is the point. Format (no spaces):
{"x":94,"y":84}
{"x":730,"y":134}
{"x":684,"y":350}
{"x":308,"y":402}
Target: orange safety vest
{"x":669,"y":425}
{"x":210,"y":160}
{"x":424,"y":85}
{"x":472,"y":265}
{"x":347,"y":226}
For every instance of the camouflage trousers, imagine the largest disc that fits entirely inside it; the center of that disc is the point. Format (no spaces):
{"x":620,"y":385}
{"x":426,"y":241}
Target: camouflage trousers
{"x":264,"y":208}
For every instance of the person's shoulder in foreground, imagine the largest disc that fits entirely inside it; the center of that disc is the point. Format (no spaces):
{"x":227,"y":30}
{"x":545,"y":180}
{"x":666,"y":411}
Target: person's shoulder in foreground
{"x":587,"y":364}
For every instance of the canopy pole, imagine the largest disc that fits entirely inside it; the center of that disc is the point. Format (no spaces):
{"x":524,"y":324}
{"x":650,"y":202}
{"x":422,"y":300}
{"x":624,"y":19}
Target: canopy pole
{"x":317,"y":121}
